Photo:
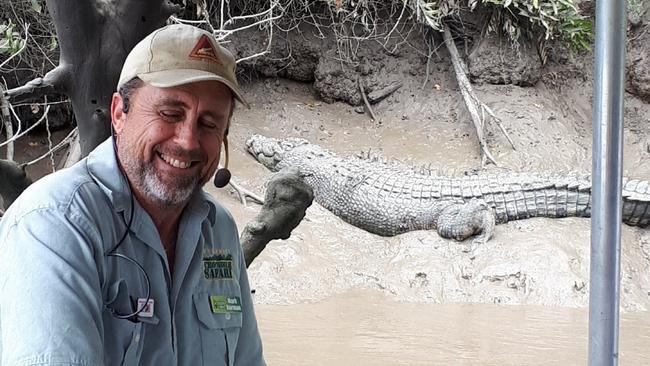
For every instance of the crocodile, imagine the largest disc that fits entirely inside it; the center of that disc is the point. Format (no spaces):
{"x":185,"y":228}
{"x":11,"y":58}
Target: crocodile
{"x":389,"y":198}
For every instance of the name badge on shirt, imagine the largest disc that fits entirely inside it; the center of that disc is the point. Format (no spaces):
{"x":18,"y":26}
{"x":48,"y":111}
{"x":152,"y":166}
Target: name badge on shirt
{"x":225,"y":304}
{"x":148,"y":308}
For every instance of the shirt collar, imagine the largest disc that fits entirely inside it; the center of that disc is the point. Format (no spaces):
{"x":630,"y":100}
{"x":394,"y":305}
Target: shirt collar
{"x":103,"y":167}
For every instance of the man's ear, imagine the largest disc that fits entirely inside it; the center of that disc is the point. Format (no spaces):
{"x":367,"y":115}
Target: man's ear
{"x":118,"y":117}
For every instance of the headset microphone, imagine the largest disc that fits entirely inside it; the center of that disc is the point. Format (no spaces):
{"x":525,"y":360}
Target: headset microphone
{"x":222,"y":177}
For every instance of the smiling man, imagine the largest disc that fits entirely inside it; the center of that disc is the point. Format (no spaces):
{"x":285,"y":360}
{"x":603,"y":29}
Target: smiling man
{"x":123,"y":259}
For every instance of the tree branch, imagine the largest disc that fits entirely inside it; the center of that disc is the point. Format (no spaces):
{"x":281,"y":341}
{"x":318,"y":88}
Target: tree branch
{"x":467,"y":91}
{"x":66,"y":141}
{"x":365,"y":100}
{"x":376,"y":96}
{"x":56,"y":80}
{"x":21,"y":134}
{"x":6,"y":118}
{"x":243,"y":193}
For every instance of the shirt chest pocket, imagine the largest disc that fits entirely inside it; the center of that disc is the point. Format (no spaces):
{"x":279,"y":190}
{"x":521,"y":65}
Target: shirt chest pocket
{"x":220,"y":318}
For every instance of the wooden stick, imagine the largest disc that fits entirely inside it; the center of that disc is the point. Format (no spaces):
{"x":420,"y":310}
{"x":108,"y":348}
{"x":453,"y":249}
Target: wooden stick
{"x":67,"y":140}
{"x":467,"y":92}
{"x":365,"y":100}
{"x":243,"y":193}
{"x":378,"y":95}
{"x":6,"y":118}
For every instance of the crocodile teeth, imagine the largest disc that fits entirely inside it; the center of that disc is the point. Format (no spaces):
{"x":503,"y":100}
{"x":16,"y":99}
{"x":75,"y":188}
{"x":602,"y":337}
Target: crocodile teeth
{"x":175,"y":162}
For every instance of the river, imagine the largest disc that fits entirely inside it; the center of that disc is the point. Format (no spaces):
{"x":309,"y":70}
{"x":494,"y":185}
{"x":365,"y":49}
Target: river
{"x":366,"y":328}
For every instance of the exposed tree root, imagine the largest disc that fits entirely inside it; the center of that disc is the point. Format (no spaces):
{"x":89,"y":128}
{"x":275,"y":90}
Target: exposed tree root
{"x":365,"y":100}
{"x":472,"y":102}
{"x":378,"y":95}
{"x":243,"y":193}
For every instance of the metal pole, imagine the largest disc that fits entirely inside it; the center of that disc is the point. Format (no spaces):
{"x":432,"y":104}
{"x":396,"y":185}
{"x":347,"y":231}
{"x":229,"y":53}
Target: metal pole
{"x":607,"y":162}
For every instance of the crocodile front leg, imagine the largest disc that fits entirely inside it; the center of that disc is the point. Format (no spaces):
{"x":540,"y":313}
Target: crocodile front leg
{"x":461,"y":220}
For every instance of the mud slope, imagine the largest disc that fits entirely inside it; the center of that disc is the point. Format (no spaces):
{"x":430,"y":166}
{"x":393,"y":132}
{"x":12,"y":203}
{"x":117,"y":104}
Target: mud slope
{"x":536,"y":261}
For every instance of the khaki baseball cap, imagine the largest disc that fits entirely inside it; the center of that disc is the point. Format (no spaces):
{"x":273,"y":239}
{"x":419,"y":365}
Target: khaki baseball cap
{"x":180,"y":54}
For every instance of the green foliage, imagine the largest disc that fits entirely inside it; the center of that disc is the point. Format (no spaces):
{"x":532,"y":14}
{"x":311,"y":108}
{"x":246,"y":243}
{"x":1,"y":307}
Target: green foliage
{"x":36,"y":6}
{"x":10,"y":41}
{"x":539,"y":20}
{"x":635,"y":11}
{"x":551,"y":19}
{"x":30,"y":22}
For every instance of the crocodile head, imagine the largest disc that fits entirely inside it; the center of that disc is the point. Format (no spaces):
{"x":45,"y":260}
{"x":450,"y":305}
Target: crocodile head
{"x":276,"y":154}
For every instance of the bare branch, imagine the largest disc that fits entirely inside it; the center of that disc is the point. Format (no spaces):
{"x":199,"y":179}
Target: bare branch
{"x":54,"y":81}
{"x":251,"y":16}
{"x":21,"y":134}
{"x":49,"y":139}
{"x":467,"y":92}
{"x":398,"y":20}
{"x":365,"y":101}
{"x":243,"y":193}
{"x":498,"y":121}
{"x":6,"y":118}
{"x":73,"y":153}
{"x":67,"y":140}
{"x":378,"y":95}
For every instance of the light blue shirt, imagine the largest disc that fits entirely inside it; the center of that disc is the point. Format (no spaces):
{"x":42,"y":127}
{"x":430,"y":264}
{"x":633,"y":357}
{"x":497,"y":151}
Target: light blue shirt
{"x":58,"y":286}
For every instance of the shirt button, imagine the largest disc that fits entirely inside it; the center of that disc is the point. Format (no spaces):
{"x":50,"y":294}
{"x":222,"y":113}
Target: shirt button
{"x":137,"y":338}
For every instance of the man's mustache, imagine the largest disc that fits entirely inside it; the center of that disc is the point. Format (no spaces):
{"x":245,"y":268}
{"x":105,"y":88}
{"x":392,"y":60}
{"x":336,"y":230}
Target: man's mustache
{"x":179,"y":152}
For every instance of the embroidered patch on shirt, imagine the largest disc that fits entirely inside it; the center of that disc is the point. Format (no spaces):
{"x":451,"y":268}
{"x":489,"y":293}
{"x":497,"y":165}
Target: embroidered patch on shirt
{"x":218,"y":265}
{"x":225,"y":304}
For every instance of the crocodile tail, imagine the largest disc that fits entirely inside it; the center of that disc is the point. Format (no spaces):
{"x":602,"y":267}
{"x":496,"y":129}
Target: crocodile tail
{"x":636,"y":203}
{"x":564,"y":199}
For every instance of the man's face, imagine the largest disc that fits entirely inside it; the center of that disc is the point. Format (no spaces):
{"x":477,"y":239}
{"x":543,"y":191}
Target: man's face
{"x":169,"y":142}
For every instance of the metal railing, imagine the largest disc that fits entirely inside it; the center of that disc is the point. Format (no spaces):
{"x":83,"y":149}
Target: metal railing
{"x":607,"y":168}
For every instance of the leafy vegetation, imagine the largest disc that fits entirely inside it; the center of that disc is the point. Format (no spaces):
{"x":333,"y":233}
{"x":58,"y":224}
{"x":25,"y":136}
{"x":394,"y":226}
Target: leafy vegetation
{"x":548,"y":19}
{"x":10,"y":40}
{"x":26,"y":22}
{"x":534,"y":19}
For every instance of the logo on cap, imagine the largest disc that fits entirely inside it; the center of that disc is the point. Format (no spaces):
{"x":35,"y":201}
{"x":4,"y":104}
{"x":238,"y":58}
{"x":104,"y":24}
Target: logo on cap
{"x":204,"y":50}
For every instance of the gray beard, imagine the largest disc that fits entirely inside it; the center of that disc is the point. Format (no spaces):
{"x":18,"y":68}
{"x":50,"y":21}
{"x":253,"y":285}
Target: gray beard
{"x":155,"y":189}
{"x":146,"y":180}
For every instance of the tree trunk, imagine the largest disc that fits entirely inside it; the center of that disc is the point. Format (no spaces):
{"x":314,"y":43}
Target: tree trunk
{"x":94,"y":38}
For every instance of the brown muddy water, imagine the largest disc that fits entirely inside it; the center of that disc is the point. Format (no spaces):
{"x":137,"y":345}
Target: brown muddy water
{"x":360,"y":328}
{"x":333,"y":294}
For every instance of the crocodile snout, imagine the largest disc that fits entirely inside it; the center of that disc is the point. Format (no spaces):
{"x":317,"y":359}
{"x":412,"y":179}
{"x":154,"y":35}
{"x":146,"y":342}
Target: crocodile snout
{"x":266,"y":150}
